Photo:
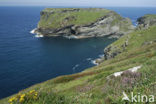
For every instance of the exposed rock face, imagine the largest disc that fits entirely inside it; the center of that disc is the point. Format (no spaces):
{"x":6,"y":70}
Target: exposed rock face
{"x":143,"y":23}
{"x":70,"y":23}
{"x":111,"y":51}
{"x":146,"y":21}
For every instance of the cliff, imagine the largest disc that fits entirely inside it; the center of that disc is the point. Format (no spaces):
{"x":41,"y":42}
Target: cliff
{"x":146,"y":21}
{"x":116,"y":48}
{"x":82,"y":23}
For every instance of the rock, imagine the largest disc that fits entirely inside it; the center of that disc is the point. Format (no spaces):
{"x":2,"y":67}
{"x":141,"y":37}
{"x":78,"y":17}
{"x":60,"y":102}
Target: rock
{"x":83,"y":23}
{"x":129,"y":71}
{"x":143,"y":23}
{"x":111,"y":52}
{"x":146,"y":21}
{"x":149,"y":42}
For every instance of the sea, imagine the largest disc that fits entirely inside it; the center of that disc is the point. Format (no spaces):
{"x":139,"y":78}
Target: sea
{"x":26,"y":60}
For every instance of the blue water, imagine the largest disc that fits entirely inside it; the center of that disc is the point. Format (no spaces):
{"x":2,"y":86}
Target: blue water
{"x":26,"y":60}
{"x":133,"y":12}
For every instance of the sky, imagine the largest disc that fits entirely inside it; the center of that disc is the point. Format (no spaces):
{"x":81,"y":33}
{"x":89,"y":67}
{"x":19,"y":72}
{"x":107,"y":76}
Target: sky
{"x":92,"y":3}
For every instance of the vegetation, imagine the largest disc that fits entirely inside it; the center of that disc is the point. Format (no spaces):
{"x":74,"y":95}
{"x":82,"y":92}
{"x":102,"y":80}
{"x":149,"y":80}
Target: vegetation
{"x":151,"y":16}
{"x":24,"y":98}
{"x":61,"y":17}
{"x":147,"y":20}
{"x":93,"y":86}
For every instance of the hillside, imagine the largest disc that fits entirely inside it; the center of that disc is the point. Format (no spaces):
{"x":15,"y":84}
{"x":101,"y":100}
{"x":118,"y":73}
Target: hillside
{"x":82,"y":23}
{"x":146,"y":21}
{"x":135,"y":62}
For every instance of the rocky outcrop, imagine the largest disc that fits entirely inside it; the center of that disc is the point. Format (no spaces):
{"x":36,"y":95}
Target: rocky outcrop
{"x":83,"y":23}
{"x":113,"y":50}
{"x":149,"y":42}
{"x":146,"y":21}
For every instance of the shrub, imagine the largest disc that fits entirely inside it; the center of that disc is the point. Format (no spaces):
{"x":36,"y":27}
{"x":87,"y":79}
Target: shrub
{"x":24,"y":97}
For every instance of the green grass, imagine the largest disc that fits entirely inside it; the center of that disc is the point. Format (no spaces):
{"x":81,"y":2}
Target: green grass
{"x":59,"y":19}
{"x":92,"y":86}
{"x":151,"y":16}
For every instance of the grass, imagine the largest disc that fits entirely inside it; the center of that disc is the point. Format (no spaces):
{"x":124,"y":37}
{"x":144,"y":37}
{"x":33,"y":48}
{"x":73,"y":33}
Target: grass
{"x":55,"y":18}
{"x":151,"y":16}
{"x":92,"y":86}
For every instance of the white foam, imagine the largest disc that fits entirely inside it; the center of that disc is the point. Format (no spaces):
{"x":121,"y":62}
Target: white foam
{"x":39,"y":36}
{"x":88,"y":59}
{"x":94,"y":62}
{"x":77,"y":65}
{"x":71,"y":37}
{"x":102,"y":55}
{"x":33,"y":31}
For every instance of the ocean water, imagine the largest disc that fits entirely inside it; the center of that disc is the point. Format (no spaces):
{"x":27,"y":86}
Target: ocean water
{"x":26,"y":60}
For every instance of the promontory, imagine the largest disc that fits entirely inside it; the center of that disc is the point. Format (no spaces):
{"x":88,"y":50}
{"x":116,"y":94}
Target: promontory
{"x":82,"y":23}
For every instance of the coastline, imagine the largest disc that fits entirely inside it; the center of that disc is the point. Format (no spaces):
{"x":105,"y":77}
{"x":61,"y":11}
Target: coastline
{"x":128,"y":59}
{"x":37,"y":35}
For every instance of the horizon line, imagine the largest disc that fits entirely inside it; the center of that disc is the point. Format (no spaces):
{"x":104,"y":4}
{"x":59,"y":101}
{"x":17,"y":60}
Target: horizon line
{"x":71,"y":6}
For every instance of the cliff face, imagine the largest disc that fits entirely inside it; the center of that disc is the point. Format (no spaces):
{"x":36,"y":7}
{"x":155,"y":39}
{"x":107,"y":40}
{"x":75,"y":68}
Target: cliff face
{"x":82,"y":23}
{"x":113,"y":50}
{"x":146,"y":21}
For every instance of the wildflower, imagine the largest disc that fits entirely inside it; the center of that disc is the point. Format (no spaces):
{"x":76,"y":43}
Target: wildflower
{"x":36,"y":93}
{"x":21,"y":99}
{"x":11,"y":100}
{"x":32,"y":91}
{"x":23,"y":95}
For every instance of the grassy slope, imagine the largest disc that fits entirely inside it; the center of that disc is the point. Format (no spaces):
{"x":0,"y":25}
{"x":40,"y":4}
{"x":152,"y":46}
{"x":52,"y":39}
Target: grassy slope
{"x":92,"y":85}
{"x":59,"y":19}
{"x":150,"y":16}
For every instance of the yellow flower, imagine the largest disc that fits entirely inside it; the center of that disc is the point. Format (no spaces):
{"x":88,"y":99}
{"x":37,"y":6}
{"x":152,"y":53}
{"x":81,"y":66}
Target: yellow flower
{"x":21,"y":99}
{"x":23,"y":95}
{"x":32,"y":91}
{"x":36,"y":94}
{"x":12,"y":99}
{"x":18,"y":95}
{"x":31,"y":95}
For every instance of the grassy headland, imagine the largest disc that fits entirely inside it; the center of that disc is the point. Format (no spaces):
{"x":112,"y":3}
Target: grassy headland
{"x":82,"y":22}
{"x":60,"y":17}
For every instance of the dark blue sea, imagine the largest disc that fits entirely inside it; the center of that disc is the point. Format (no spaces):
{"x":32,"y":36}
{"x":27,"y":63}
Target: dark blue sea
{"x":26,"y":60}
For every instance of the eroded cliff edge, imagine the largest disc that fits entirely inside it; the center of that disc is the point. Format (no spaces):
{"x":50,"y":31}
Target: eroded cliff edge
{"x":82,"y":23}
{"x":116,"y":48}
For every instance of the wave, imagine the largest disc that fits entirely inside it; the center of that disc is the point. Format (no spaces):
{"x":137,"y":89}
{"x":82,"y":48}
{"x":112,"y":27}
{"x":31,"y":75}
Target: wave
{"x":94,"y":62}
{"x":77,"y":65}
{"x":88,"y":59}
{"x":33,"y":31}
{"x":102,"y":55}
{"x":71,"y":37}
{"x":39,"y":36}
